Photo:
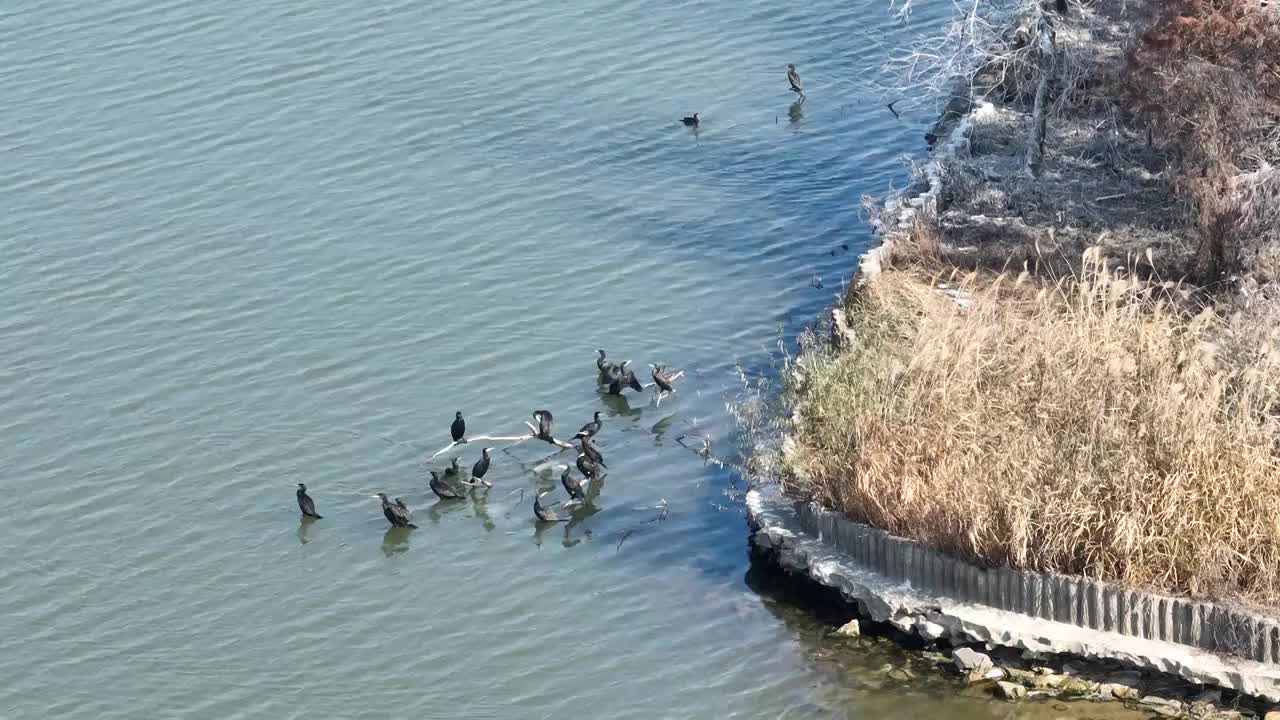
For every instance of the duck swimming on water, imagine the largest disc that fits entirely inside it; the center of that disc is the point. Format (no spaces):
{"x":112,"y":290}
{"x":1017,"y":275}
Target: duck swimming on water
{"x":306,"y":504}
{"x":691,"y":121}
{"x":396,"y":513}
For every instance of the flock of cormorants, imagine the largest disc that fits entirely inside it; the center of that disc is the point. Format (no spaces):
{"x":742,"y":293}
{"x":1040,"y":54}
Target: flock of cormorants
{"x":450,"y":485}
{"x":616,"y":378}
{"x":793,"y":78}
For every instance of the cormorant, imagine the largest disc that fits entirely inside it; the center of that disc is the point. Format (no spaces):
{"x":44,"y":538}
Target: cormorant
{"x":591,"y":451}
{"x":545,"y":419}
{"x":458,"y":428}
{"x":481,"y":467}
{"x":611,"y":374}
{"x":542,"y":431}
{"x":588,"y":468}
{"x":626,"y":379}
{"x":397,"y":514}
{"x":629,"y":378}
{"x":691,"y":121}
{"x":572,"y":485}
{"x":453,"y":470}
{"x":306,"y":504}
{"x":608,"y":371}
{"x":591,"y":428}
{"x":793,"y":77}
{"x":661,"y":379}
{"x":544,"y":513}
{"x":442,"y":489}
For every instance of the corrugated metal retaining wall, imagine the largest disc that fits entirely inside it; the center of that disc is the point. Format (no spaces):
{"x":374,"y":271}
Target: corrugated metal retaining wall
{"x":1060,"y":598}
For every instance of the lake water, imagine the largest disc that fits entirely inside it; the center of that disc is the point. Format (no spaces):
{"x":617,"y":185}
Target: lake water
{"x":251,"y":244}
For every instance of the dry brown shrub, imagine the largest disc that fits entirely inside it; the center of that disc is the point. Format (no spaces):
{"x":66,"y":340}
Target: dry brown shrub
{"x":1206,"y":78}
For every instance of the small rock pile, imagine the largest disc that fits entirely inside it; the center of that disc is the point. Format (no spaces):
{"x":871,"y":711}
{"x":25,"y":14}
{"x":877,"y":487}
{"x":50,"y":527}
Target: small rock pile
{"x":1076,"y":681}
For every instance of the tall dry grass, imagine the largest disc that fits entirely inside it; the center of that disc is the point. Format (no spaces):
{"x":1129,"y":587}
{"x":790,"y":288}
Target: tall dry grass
{"x":1089,"y":426}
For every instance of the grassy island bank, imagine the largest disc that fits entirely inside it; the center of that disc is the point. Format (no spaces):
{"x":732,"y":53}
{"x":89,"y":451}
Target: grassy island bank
{"x":1069,"y":357}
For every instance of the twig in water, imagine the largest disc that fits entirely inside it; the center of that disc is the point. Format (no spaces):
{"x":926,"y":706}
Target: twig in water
{"x":441,"y":451}
{"x":625,"y":535}
{"x":496,"y":438}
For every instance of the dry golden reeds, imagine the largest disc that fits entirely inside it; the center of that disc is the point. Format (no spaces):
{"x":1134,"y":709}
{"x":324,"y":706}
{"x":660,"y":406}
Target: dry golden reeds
{"x":1088,"y":426}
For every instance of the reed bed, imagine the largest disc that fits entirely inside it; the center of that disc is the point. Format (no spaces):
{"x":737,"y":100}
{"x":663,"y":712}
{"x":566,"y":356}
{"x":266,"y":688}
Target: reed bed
{"x":1098,"y":425}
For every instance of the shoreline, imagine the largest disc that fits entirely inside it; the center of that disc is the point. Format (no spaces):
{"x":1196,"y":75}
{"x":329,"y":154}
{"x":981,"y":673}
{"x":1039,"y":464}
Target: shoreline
{"x":893,"y":582}
{"x":887,"y":579}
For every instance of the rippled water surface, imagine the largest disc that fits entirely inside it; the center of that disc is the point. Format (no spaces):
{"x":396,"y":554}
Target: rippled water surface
{"x":250,"y":244}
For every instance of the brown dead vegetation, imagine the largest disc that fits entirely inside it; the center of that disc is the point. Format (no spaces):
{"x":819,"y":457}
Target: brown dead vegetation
{"x":1206,"y":78}
{"x":1080,"y":371}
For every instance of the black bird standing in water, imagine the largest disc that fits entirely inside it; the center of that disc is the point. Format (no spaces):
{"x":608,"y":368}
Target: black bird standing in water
{"x":591,"y":451}
{"x":793,"y":77}
{"x":626,"y":379}
{"x":572,"y":485}
{"x":459,"y":428}
{"x":545,"y":420}
{"x":396,"y":513}
{"x":663,"y":380}
{"x":442,"y":489}
{"x":608,"y":371}
{"x":589,"y":469}
{"x":306,"y":504}
{"x":544,"y":513}
{"x":481,"y":467}
{"x":591,"y":428}
{"x":453,"y":471}
{"x":691,"y":121}
{"x":629,"y":378}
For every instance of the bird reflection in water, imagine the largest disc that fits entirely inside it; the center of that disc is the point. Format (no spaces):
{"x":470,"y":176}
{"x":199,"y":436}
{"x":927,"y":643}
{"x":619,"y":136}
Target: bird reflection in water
{"x":796,"y":112}
{"x":660,"y":429}
{"x":617,"y":406}
{"x":395,"y":541}
{"x":480,"y":506}
{"x":304,"y":529}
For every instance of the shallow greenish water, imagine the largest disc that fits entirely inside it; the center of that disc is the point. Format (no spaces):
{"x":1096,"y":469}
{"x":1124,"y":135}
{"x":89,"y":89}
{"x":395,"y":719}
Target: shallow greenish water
{"x":253,"y":244}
